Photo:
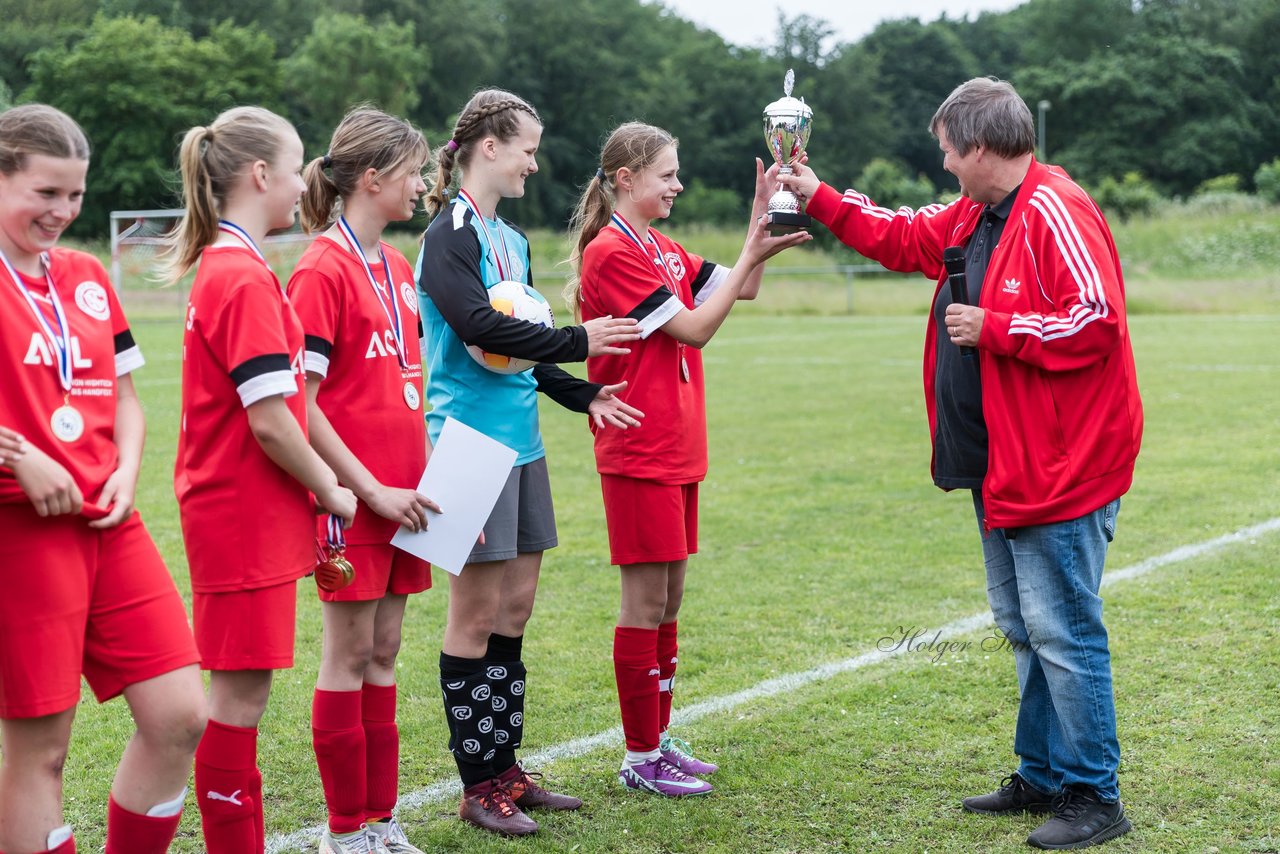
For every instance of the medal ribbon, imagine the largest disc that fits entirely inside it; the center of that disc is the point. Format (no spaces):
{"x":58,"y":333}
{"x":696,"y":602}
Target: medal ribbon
{"x":229,"y":227}
{"x":393,"y":313}
{"x":465,"y":198}
{"x":625,"y":227}
{"x":337,"y":540}
{"x":61,"y":343}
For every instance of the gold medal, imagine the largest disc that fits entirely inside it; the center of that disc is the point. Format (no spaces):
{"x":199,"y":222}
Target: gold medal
{"x":334,"y":572}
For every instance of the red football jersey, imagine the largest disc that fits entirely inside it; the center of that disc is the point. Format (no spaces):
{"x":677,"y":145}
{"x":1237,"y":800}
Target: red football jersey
{"x":373,"y":403}
{"x":620,"y":278}
{"x":102,"y":349}
{"x":246,"y":523}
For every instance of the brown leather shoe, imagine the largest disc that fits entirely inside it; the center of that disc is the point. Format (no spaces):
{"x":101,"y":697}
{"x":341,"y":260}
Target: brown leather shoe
{"x":489,"y":806}
{"x":527,"y":794}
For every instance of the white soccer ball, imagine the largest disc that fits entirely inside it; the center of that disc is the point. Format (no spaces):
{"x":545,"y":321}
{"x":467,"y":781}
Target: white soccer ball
{"x":518,"y":300}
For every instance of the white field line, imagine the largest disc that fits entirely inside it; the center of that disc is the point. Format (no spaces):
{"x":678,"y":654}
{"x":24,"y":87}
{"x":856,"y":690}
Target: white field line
{"x":307,"y":838}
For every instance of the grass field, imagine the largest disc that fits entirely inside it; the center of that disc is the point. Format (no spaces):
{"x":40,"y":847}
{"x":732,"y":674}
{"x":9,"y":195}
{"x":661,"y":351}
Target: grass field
{"x":822,"y":534}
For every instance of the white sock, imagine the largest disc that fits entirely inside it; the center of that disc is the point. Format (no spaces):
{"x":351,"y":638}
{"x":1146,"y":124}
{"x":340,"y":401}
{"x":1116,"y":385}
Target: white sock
{"x":634,"y":758}
{"x":382,"y":828}
{"x":169,"y":809}
{"x":57,"y":836}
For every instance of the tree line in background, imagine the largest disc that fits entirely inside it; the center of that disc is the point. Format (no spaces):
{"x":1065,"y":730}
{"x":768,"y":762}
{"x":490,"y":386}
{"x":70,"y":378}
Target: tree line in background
{"x":1156,"y":97}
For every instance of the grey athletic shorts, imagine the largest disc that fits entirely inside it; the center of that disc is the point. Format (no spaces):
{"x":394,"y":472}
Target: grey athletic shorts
{"x":523,"y":520}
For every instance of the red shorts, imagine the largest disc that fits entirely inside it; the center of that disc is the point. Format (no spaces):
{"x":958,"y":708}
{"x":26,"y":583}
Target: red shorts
{"x":649,"y":522}
{"x":73,"y":600}
{"x":381,"y":569}
{"x":246,"y":629}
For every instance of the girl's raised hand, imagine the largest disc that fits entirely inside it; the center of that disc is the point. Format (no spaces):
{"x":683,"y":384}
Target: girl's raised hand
{"x":766,"y":185}
{"x":761,"y":245}
{"x":604,"y":334}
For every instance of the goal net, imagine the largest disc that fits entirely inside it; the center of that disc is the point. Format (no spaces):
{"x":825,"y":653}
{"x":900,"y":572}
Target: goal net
{"x":138,"y":238}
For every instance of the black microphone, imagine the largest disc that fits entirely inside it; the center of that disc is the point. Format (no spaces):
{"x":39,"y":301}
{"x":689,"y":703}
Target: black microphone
{"x":953,"y":260}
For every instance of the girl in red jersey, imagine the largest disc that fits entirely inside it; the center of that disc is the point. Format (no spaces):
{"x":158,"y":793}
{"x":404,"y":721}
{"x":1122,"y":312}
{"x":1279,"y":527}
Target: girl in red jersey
{"x":85,"y":590}
{"x":245,"y":473}
{"x":650,"y":475}
{"x":354,"y":295}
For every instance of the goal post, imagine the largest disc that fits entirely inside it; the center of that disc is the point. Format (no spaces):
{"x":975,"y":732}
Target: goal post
{"x":138,"y":238}
{"x":133,"y":228}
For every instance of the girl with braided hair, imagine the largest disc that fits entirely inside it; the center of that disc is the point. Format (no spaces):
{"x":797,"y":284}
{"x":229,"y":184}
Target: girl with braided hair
{"x":466,"y":250}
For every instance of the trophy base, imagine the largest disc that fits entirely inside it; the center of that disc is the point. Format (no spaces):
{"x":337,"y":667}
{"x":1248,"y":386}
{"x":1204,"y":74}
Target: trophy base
{"x":781,"y":222}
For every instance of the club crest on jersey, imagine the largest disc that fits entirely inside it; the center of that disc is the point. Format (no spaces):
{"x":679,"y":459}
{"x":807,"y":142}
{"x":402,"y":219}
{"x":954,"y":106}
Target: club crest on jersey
{"x":91,"y":297}
{"x":675,"y":265}
{"x":409,"y":296}
{"x":517,"y":270}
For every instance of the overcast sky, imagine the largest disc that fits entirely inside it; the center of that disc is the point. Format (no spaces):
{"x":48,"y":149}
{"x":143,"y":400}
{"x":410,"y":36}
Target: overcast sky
{"x":754,"y":22}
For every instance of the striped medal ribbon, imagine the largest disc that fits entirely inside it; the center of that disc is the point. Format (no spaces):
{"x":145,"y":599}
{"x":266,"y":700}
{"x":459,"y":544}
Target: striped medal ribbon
{"x":66,"y":421}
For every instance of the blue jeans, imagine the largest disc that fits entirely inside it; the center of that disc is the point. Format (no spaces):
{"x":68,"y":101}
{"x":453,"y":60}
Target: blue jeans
{"x":1042,"y":584}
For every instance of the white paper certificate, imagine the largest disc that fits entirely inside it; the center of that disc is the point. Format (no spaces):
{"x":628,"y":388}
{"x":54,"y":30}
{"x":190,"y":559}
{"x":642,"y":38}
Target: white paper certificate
{"x":465,"y":476}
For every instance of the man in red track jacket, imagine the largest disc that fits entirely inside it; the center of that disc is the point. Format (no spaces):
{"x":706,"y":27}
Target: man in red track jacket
{"x":1038,"y":415}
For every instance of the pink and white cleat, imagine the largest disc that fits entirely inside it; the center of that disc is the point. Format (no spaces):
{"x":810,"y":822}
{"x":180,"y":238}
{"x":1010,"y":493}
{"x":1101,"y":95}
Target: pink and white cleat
{"x":661,"y":778}
{"x":678,"y":753}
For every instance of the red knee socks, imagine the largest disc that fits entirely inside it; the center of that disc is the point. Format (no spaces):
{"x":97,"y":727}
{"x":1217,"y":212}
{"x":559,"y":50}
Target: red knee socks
{"x":229,"y":789}
{"x":382,"y":750}
{"x":667,"y":648}
{"x":635,"y":666}
{"x":338,"y":737}
{"x":131,"y":833}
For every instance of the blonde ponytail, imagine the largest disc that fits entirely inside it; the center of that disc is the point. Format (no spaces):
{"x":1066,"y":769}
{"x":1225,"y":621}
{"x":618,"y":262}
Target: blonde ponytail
{"x":209,"y":159}
{"x":633,"y":145}
{"x":366,"y":138}
{"x":592,"y":214}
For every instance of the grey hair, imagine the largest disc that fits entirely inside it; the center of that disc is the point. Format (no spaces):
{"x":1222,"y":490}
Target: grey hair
{"x":986,"y":112}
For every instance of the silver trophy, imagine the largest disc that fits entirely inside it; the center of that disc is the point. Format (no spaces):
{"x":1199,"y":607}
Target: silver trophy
{"x":787,"y":123}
